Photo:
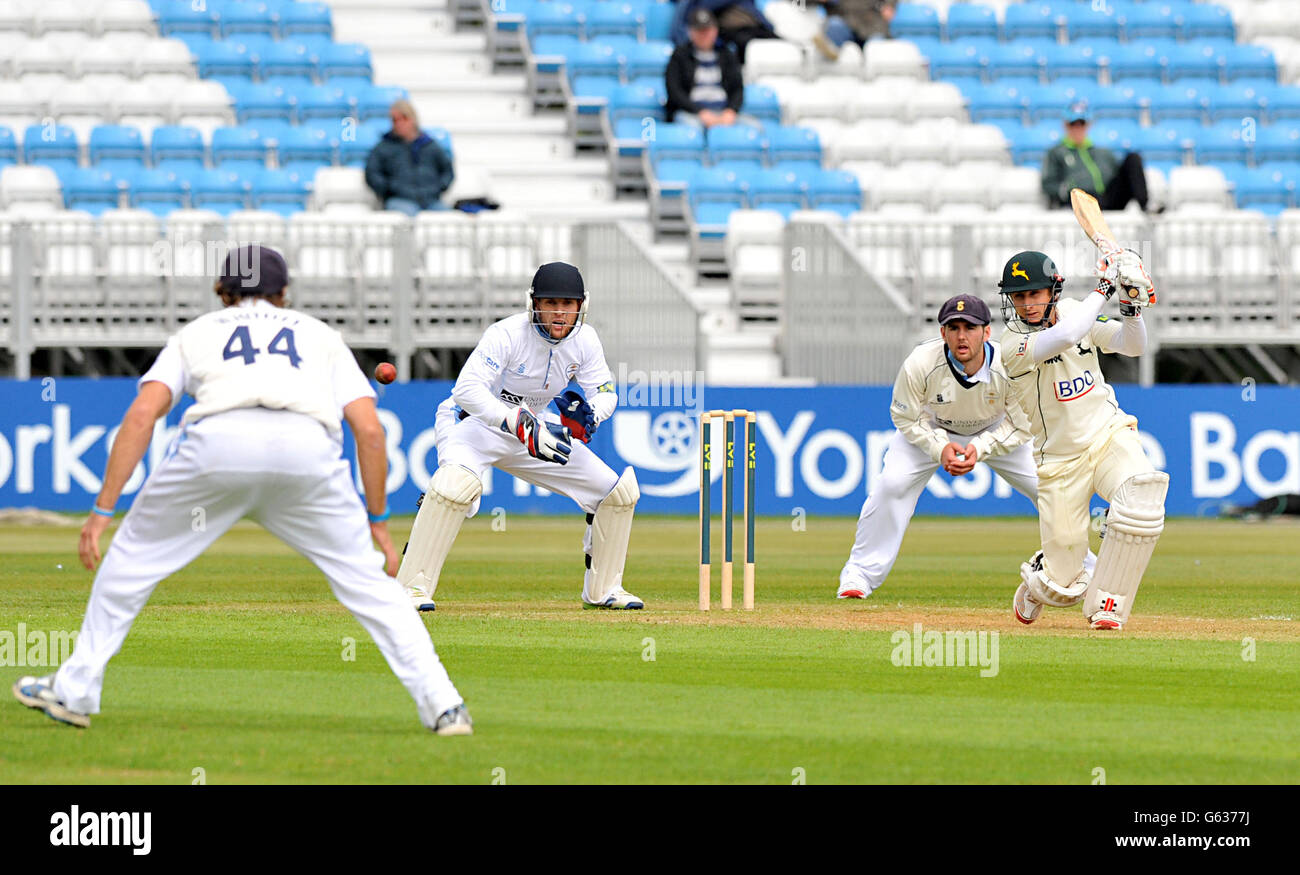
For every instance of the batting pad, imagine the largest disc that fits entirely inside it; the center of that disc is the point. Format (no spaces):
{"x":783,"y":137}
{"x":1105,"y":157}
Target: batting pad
{"x":1133,"y":525}
{"x":1048,"y":591}
{"x":611,"y":528}
{"x":451,"y":492}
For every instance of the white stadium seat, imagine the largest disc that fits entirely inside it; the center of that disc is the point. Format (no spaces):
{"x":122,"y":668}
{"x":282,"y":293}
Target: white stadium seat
{"x":52,"y":53}
{"x":1018,"y":186}
{"x":342,"y":185}
{"x":936,"y":100}
{"x":114,"y":53}
{"x":980,"y":143}
{"x":957,"y":185}
{"x":755,"y":258}
{"x":125,"y":15}
{"x":66,"y":15}
{"x":866,"y":141}
{"x":165,"y":56}
{"x":794,"y":22}
{"x":881,"y":100}
{"x":929,"y":140}
{"x":18,"y":14}
{"x":773,"y":57}
{"x":888,"y":57}
{"x":202,"y":98}
{"x":261,"y":227}
{"x":1197,"y":185}
{"x":910,"y":182}
{"x":34,"y":184}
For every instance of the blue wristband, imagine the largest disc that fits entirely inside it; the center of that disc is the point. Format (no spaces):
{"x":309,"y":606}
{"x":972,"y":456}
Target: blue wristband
{"x":379,"y":517}
{"x":94,"y":508}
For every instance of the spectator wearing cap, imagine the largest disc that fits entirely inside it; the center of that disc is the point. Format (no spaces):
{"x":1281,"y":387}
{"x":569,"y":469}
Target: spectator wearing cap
{"x":853,"y":21}
{"x":738,"y":22}
{"x":953,"y":405}
{"x":407,"y":170}
{"x":1076,"y":163}
{"x":704,"y":83}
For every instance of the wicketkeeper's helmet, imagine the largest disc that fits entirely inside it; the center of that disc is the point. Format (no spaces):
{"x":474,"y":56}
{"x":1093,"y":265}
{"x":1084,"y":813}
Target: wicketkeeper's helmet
{"x":1025,"y":272}
{"x":557,"y":280}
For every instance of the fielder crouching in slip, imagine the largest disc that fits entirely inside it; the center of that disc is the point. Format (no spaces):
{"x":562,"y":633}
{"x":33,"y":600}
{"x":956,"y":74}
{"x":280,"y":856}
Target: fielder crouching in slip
{"x":1083,"y":441}
{"x":495,"y":417}
{"x":953,"y":406}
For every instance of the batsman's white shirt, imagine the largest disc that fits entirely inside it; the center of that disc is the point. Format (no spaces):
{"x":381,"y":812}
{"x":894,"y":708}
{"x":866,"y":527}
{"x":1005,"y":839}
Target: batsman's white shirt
{"x":1066,"y":397}
{"x":264,"y":443}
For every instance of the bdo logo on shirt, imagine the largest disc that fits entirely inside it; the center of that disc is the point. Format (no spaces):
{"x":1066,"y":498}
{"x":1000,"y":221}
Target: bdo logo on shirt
{"x":1068,"y":390}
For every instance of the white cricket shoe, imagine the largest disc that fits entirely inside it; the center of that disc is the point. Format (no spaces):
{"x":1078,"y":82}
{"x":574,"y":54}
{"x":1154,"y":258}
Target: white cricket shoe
{"x":38,"y":693}
{"x":454,"y":721}
{"x":420,"y":600}
{"x":852,"y":591}
{"x":1026,"y":608}
{"x":1105,"y":620}
{"x":618,"y":600}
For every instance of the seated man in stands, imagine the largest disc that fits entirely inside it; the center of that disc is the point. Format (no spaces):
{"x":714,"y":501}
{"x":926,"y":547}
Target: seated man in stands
{"x":407,"y":170}
{"x":705,"y":86}
{"x":738,"y":22}
{"x":1076,"y":163}
{"x":854,"y":21}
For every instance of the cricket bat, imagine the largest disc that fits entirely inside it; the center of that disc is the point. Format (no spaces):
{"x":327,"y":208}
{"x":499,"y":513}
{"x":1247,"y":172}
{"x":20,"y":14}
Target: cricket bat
{"x":1088,"y":214}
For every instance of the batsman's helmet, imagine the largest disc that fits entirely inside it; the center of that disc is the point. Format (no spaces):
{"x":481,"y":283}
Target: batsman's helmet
{"x":557,"y":280}
{"x":1025,"y":272}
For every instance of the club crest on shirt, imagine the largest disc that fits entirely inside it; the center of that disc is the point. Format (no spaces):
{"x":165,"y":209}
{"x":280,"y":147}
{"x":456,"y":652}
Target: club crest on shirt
{"x":1069,"y":390}
{"x":939,"y":399}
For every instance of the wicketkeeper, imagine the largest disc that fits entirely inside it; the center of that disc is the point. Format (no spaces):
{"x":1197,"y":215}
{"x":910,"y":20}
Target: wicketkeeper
{"x":1083,"y":441}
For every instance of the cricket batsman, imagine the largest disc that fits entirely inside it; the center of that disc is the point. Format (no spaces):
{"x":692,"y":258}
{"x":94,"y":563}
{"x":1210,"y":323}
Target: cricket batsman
{"x":1083,"y":441}
{"x":953,"y":405}
{"x":496,"y":417}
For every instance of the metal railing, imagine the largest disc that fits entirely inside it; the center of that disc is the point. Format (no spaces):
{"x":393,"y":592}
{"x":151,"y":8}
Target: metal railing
{"x":843,"y":322}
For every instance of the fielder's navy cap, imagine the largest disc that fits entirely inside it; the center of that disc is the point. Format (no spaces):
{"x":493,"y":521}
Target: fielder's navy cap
{"x":558,"y":280}
{"x":701,"y":19}
{"x":967,"y":308}
{"x":253,"y":270}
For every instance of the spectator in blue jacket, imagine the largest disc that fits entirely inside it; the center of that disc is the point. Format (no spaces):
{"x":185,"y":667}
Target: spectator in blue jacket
{"x":407,"y":170}
{"x":739,"y":21}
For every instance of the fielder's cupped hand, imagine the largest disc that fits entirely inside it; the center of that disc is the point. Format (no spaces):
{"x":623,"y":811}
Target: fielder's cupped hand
{"x":550,"y":443}
{"x":88,"y":547}
{"x":958,"y":460}
{"x":576,"y":415}
{"x":392,"y":561}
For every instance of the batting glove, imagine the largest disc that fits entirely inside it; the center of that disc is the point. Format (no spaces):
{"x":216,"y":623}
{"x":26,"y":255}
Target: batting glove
{"x":1135,"y":286}
{"x":576,"y":415}
{"x":550,"y":443}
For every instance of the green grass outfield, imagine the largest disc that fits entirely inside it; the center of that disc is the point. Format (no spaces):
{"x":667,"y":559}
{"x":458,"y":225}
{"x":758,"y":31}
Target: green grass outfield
{"x":236,"y":667}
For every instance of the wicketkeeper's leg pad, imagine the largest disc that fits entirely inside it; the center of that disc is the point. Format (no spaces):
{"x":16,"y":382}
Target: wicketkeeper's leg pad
{"x":1133,"y":526}
{"x":1048,"y":591}
{"x":611,"y":529}
{"x":452,"y":491}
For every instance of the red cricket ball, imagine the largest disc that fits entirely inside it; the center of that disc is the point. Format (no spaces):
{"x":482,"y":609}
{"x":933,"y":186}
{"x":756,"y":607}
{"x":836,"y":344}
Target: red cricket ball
{"x":385,"y":372}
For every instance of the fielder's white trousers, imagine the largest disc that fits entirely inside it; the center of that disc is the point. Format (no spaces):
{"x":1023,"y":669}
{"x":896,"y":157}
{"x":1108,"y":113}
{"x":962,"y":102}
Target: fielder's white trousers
{"x":889,"y":507}
{"x":284,"y":471}
{"x":474,"y":445}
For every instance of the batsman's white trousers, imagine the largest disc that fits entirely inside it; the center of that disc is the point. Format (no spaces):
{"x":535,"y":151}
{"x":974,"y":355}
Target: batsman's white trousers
{"x":889,"y":507}
{"x":1065,"y":492}
{"x":474,"y":445}
{"x":283,"y":470}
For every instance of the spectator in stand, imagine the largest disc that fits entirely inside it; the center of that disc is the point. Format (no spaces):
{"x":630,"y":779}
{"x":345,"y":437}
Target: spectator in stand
{"x":739,"y":21}
{"x":407,"y":170}
{"x":1076,"y":163}
{"x":704,"y":83}
{"x":853,"y":21}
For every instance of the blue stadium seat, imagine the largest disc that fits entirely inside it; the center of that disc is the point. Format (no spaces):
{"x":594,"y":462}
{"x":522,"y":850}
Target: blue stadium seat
{"x":1160,"y":143}
{"x":8,"y":146}
{"x":1047,"y":102}
{"x":248,"y":17}
{"x":1137,"y":62}
{"x":956,"y":59}
{"x":1280,"y":142}
{"x":735,"y":143}
{"x":1085,"y":20}
{"x":914,"y":20}
{"x":1029,"y":144}
{"x":323,"y":102}
{"x":1206,"y":20}
{"x":1030,"y":20}
{"x":159,"y":191}
{"x":237,"y":144}
{"x":89,"y":188}
{"x":651,"y":59}
{"x":622,"y":44}
{"x":1077,"y":89}
{"x":353,"y":152}
{"x":1281,"y":102}
{"x":1024,"y":58}
{"x":43,"y":144}
{"x":1272,"y":185}
{"x":269,"y":131}
{"x":970,"y":20}
{"x":376,"y":101}
{"x":1173,"y":102}
{"x":676,"y":142}
{"x":554,"y":18}
{"x":1181,"y":61}
{"x":1145,"y":21}
{"x":1120,"y":101}
{"x":635,"y":102}
{"x":591,"y":93}
{"x":258,"y":100}
{"x":116,"y":142}
{"x":344,"y":59}
{"x":288,"y":58}
{"x":176,"y":142}
{"x":352,"y":87}
{"x":219,"y":190}
{"x":786,"y":144}
{"x":222,"y":59}
{"x":613,"y":19}
{"x":280,"y":191}
{"x":1233,"y":101}
{"x":659,"y":21}
{"x":835,"y":190}
{"x":591,"y":59}
{"x":632,"y":134}
{"x":1243,"y":61}
{"x":777,"y":188}
{"x":1072,"y":60}
{"x":306,"y":18}
{"x":182,"y":16}
{"x":1118,"y":135}
{"x":550,"y":49}
{"x":997,"y":101}
{"x":761,"y":103}
{"x":1222,"y":144}
{"x":714,"y":192}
